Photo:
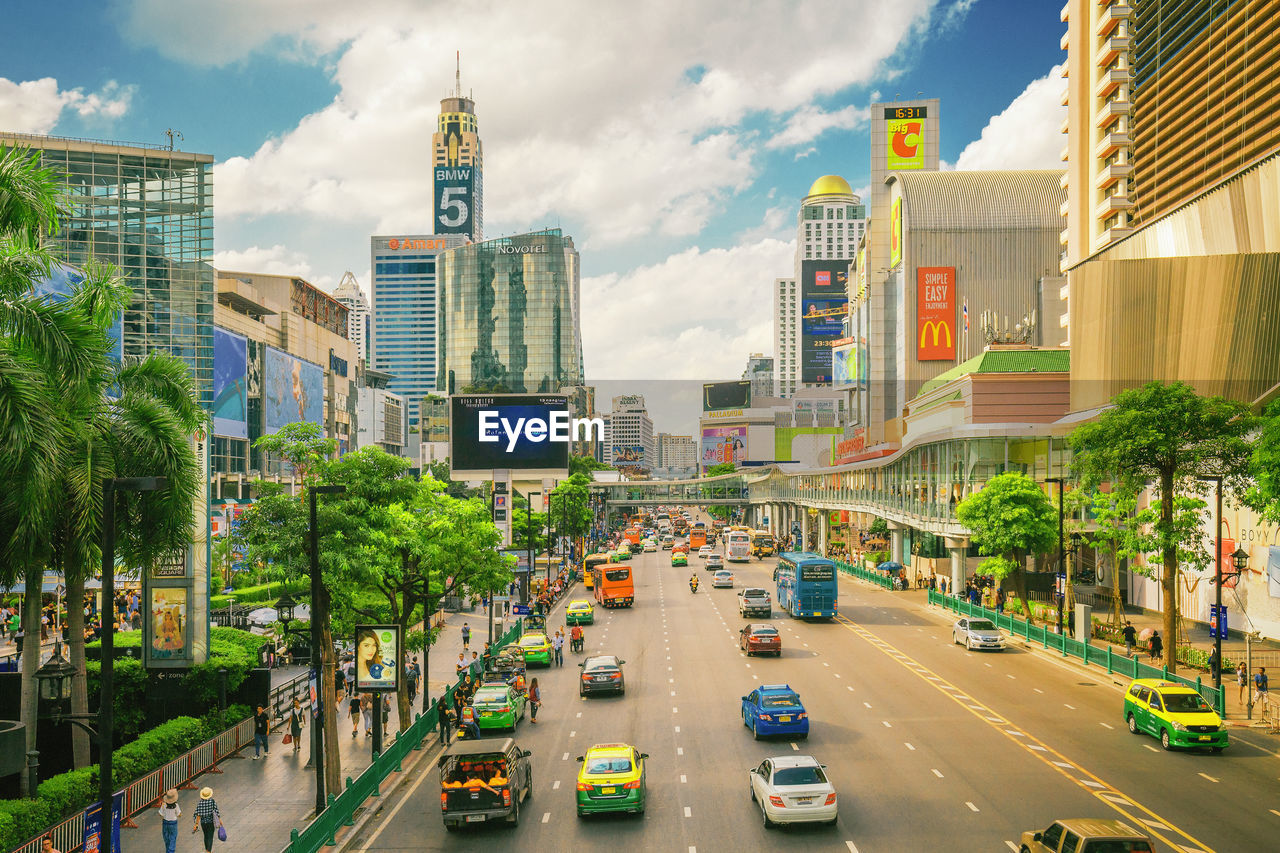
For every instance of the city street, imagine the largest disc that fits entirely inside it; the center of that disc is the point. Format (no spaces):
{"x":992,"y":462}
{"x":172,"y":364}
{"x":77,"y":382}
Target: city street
{"x":928,"y":745}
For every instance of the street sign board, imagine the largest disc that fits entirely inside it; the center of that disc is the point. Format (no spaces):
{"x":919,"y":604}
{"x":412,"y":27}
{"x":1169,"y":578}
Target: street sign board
{"x":1218,"y":616}
{"x":520,"y":609}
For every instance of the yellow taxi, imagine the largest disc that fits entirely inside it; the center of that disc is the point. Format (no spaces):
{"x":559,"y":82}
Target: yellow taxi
{"x":1173,"y":712}
{"x":611,"y":779}
{"x":536,"y":648}
{"x":579,"y":612}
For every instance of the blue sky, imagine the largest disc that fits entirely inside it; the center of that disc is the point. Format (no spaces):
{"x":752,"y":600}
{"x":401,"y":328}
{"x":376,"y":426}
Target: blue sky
{"x":672,"y":140}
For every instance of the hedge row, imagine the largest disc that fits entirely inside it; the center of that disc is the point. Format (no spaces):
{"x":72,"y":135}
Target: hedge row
{"x":63,"y":795}
{"x":262,"y":593}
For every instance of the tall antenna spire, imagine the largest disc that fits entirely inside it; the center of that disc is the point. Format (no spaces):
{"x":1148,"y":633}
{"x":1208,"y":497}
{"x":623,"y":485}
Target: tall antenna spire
{"x":458,"y":77}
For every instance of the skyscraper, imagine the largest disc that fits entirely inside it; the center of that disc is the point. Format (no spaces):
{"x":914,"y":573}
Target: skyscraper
{"x":829,"y":225}
{"x":458,"y":162}
{"x":759,"y":373}
{"x":405,"y":312}
{"x":509,"y":315}
{"x":350,"y":295}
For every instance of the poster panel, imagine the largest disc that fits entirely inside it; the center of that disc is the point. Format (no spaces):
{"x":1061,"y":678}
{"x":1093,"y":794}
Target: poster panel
{"x":726,"y":395}
{"x":825,"y":297}
{"x":724,"y":444}
{"x":168,"y":632}
{"x":377,"y":658}
{"x":230,"y":384}
{"x":936,"y":314}
{"x":293,"y":391}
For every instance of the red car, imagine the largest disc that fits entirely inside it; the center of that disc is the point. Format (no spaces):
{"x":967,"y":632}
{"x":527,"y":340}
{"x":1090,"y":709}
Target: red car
{"x":760,"y":638}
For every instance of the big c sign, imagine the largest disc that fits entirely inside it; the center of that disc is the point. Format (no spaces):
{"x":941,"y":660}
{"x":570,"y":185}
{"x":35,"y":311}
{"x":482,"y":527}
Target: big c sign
{"x":936,"y":313}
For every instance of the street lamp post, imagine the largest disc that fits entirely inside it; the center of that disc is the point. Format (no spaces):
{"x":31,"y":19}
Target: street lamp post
{"x":1217,"y":583}
{"x":1062,"y":556}
{"x":528,"y":577}
{"x":550,"y":540}
{"x":318,"y":614}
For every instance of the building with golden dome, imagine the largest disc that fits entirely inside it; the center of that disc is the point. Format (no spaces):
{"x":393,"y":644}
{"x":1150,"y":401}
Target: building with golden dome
{"x":829,"y":225}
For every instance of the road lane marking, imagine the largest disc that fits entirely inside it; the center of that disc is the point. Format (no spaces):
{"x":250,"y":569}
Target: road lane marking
{"x":675,"y":710}
{"x":679,"y":750}
{"x":1150,"y":747}
{"x":555,"y":786}
{"x":677,"y":730}
{"x":887,"y":724}
{"x":937,"y":772}
{"x":910,"y":747}
{"x":796,"y":748}
{"x":852,"y":847}
{"x":868,"y":704}
{"x":573,"y":733}
{"x":824,"y":663}
{"x":683,"y":780}
{"x":1037,"y":689}
{"x":1065,"y":705}
{"x":971,"y":806}
{"x":546,"y":817}
{"x":1011,"y":846}
{"x":1206,"y":776}
{"x":688,"y":812}
{"x":1072,"y":771}
{"x":564,"y":757}
{"x":837,"y":675}
{"x":850,"y":689}
{"x":1106,"y":725}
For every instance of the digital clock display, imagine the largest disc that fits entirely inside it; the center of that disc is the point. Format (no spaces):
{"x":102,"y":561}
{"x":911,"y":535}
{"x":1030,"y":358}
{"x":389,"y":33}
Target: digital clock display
{"x":892,"y":113}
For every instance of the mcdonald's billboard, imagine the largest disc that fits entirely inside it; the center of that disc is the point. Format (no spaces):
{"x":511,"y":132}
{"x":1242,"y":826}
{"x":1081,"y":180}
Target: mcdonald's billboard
{"x":936,"y":314}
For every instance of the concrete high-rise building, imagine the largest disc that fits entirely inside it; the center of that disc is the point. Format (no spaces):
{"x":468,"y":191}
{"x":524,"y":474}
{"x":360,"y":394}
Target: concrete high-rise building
{"x":759,"y":370}
{"x":677,"y":451}
{"x":630,"y":434}
{"x":380,"y":413}
{"x":829,"y":225}
{"x":405,"y":341}
{"x":1165,"y":100}
{"x":510,"y":316}
{"x":358,"y":320}
{"x":458,"y":167}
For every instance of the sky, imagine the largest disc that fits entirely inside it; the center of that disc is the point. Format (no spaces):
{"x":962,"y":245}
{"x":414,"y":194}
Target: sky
{"x":672,"y":140}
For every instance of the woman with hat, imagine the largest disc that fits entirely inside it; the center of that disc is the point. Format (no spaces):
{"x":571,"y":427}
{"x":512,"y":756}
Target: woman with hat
{"x":170,"y":811}
{"x":208,"y":818}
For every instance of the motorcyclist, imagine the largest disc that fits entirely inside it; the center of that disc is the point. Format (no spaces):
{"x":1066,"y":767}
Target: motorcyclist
{"x":693,"y":583}
{"x":575,"y":638}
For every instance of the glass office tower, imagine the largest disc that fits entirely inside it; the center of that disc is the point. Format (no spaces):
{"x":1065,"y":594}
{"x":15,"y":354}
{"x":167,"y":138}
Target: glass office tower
{"x":509,"y":315}
{"x":148,"y":211}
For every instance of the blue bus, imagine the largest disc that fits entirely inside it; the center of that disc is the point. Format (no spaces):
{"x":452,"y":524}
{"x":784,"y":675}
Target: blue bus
{"x":807,"y":585}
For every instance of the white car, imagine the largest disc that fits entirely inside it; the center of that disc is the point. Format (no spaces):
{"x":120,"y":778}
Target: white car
{"x":722,"y":579}
{"x":793,"y":789}
{"x":650,"y":545}
{"x":977,"y":634}
{"x":704,"y":551}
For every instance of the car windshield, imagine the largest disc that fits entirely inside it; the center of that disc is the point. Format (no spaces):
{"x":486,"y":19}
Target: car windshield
{"x":799,"y":776}
{"x":495,"y":695}
{"x":777,"y":701}
{"x":981,"y":625}
{"x":1185,"y":703}
{"x":600,"y":665}
{"x":763,"y":632}
{"x":533,"y":640}
{"x":723,"y":575}
{"x":604,"y":766}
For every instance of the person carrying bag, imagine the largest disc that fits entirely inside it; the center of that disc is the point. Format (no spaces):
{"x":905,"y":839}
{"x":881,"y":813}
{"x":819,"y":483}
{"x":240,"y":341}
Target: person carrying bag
{"x":208,"y":819}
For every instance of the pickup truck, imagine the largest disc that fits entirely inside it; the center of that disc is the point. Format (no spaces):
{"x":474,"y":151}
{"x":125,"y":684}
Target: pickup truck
{"x":754,"y":601}
{"x":483,"y":781}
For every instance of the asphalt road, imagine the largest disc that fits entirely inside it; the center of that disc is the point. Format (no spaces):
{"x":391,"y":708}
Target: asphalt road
{"x":929,"y":746}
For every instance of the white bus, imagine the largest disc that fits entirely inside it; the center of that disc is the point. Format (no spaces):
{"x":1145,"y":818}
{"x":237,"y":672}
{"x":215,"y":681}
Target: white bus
{"x":737,"y":546}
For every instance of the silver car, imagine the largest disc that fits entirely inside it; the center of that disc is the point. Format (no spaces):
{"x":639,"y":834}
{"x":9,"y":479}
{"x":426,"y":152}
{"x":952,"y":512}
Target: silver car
{"x":722,"y":579}
{"x":977,"y":634}
{"x":793,"y":789}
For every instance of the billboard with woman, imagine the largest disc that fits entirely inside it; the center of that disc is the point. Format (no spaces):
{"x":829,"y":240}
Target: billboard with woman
{"x":377,"y":656}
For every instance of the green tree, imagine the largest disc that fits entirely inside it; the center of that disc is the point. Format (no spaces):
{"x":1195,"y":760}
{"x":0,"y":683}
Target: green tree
{"x":584,"y":465}
{"x":1009,"y":519}
{"x":1116,"y":534}
{"x":571,"y":508}
{"x":439,"y":471}
{"x":720,"y":469}
{"x":879,"y":527}
{"x":1264,"y":495}
{"x":1165,"y":436}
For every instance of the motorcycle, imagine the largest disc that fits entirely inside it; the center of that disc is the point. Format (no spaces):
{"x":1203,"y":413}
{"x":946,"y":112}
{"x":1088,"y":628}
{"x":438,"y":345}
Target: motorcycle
{"x":576,"y":643}
{"x":693,"y":586}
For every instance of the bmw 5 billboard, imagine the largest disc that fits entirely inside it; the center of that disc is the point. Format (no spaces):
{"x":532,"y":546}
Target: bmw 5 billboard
{"x":528,"y":434}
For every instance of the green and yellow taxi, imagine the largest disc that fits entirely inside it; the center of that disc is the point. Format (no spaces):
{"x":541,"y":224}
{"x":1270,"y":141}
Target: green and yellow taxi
{"x":497,"y":705}
{"x":536,"y":647}
{"x":620,"y":556}
{"x":679,"y":558}
{"x":1174,"y":713}
{"x":611,"y":779}
{"x":579,"y":612}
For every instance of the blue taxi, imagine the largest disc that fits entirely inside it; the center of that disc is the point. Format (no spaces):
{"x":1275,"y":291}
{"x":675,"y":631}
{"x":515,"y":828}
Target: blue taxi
{"x":774,"y":709}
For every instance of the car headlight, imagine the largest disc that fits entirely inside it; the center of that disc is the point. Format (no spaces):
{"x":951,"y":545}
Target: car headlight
{"x":1178,"y":726}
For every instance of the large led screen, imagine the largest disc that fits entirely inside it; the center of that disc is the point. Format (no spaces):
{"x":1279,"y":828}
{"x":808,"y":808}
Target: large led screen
{"x":292,"y":391}
{"x":824,"y":297}
{"x":515,"y":432}
{"x":726,"y":395}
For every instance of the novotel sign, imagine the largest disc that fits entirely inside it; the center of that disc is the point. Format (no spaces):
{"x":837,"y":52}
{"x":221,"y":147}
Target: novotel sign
{"x":540,"y":249}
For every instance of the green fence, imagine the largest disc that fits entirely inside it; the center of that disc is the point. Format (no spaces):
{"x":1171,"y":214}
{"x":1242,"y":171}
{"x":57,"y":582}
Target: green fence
{"x":1090,"y":654}
{"x":869,"y":575}
{"x":342,"y":807}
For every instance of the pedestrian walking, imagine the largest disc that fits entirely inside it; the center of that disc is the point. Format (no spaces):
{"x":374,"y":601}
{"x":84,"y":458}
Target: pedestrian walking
{"x":366,"y":713}
{"x":461,"y":666}
{"x":1242,"y":680}
{"x":558,"y":644}
{"x":208,"y":819}
{"x":535,"y":700}
{"x":353,"y":708}
{"x":466,"y":636}
{"x":170,"y":811}
{"x":477,"y":668}
{"x":1215,"y":664}
{"x":296,"y":721}
{"x":412,"y":672}
{"x":1260,"y":684}
{"x":1156,"y":645}
{"x":1000,"y":601}
{"x":261,"y":728}
{"x":444,"y":723}
{"x":349,"y":676}
{"x":1130,"y":639}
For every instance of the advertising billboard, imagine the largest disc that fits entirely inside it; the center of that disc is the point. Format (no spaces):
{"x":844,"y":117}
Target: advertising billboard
{"x":895,"y":232}
{"x":632,"y":455}
{"x":528,"y":433}
{"x":904,"y":128}
{"x":936,"y":313}
{"x":844,"y":362}
{"x":292,"y":391}
{"x":230,"y":384}
{"x":726,"y":395}
{"x":824,"y":297}
{"x":724,"y":444}
{"x":377,"y":658}
{"x":455,"y":199}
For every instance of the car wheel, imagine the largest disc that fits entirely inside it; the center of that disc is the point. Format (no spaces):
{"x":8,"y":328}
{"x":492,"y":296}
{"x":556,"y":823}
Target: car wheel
{"x":1133,"y":725}
{"x":514,"y":820}
{"x":581,"y":814}
{"x":778,"y":653}
{"x":450,"y":827}
{"x":802,"y":736}
{"x":768,"y":823}
{"x":755,"y":731}
{"x":752,"y":789}
{"x":833,"y":821}
{"x":1024,"y":849}
{"x":1164,"y":739}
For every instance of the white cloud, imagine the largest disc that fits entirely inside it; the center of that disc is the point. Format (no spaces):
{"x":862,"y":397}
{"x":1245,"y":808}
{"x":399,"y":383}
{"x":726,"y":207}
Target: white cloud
{"x":273,"y":260}
{"x":695,"y":314}
{"x":35,"y":106}
{"x":808,"y":123}
{"x":1027,"y":135}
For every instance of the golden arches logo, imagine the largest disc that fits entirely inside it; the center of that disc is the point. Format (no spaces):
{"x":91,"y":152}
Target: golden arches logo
{"x":939,"y":328}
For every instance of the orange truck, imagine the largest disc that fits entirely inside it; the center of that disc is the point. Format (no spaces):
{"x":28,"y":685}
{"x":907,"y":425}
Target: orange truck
{"x":613,"y":586}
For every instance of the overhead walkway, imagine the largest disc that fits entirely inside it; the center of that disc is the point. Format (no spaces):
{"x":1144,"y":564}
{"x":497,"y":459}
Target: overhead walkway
{"x":725,"y":490}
